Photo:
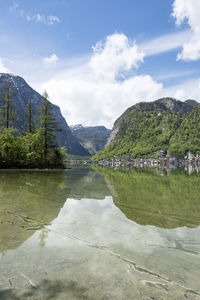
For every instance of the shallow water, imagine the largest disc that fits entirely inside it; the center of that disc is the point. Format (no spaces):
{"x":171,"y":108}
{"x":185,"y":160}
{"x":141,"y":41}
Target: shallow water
{"x":99,"y":234}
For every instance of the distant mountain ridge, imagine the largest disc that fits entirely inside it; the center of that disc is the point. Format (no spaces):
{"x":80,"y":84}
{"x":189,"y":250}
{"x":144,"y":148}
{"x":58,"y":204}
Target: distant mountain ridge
{"x":22,"y":93}
{"x":147,"y":128}
{"x":93,"y":138}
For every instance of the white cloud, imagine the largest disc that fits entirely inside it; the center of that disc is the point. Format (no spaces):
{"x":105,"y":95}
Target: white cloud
{"x":189,"y":11}
{"x":82,"y":100}
{"x":53,"y":19}
{"x":173,"y":74}
{"x":14,"y":7}
{"x":3,"y":69}
{"x":92,"y":94}
{"x":51,"y":60}
{"x":91,"y":89}
{"x":165,"y":43}
{"x":189,"y":89}
{"x":48,"y":20}
{"x":38,"y":18}
{"x":115,"y":56}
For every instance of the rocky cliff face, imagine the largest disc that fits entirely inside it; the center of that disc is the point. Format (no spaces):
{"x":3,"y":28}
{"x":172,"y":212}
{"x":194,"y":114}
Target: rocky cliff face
{"x":92,"y":138}
{"x":22,"y":93}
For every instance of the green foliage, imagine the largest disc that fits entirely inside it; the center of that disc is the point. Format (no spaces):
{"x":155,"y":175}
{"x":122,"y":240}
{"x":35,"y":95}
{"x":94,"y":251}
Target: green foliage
{"x":29,"y":117}
{"x":8,"y":146}
{"x":144,"y":134}
{"x":35,"y":148}
{"x":145,"y":130}
{"x":187,"y":137}
{"x":25,"y":150}
{"x":47,"y":123}
{"x":7,"y":109}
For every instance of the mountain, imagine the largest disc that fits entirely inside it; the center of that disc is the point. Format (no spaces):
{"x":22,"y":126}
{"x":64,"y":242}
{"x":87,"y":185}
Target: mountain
{"x":22,"y":93}
{"x":146,"y":128}
{"x":92,"y":138}
{"x":187,"y":137}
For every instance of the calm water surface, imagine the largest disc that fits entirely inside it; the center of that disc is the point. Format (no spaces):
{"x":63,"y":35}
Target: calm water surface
{"x":99,"y":234}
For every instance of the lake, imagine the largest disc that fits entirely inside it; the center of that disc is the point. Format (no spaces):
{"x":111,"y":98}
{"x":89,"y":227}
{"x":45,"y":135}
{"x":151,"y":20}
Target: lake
{"x":96,"y":233}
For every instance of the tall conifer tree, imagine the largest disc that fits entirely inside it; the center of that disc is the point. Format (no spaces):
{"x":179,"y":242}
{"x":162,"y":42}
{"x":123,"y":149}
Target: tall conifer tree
{"x":30,"y":117}
{"x":8,"y":111}
{"x":48,"y":126}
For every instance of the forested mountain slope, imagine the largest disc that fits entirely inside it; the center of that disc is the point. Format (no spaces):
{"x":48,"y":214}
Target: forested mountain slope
{"x":147,"y":128}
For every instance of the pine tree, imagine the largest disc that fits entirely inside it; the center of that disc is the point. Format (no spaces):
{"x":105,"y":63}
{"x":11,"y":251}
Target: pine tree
{"x":29,"y":117}
{"x":7,"y":110}
{"x":7,"y":113}
{"x":48,"y":127}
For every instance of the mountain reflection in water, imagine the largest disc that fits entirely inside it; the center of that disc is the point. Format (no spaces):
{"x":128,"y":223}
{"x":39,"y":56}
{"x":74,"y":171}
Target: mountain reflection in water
{"x":154,"y":197}
{"x":30,"y":200}
{"x":122,"y":235}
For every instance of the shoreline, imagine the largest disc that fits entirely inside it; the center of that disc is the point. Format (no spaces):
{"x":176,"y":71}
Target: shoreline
{"x":169,"y":162}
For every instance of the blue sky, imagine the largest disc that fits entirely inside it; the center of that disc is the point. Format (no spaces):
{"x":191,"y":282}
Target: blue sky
{"x":97,"y":58}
